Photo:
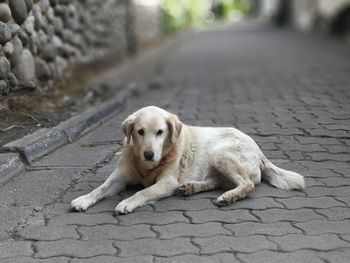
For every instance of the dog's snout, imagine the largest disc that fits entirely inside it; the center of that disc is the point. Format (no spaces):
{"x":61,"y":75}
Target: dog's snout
{"x":148,"y":155}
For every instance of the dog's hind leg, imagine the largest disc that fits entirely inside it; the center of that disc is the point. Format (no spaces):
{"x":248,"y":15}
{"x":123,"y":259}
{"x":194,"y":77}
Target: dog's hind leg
{"x":193,"y":187}
{"x":232,"y":169}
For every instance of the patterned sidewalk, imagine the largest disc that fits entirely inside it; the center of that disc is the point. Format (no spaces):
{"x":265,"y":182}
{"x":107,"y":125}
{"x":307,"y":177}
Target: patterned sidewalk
{"x":289,"y":91}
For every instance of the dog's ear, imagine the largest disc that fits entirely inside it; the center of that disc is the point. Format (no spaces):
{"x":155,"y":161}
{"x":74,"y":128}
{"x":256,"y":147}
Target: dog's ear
{"x":175,"y":127}
{"x":128,"y":126}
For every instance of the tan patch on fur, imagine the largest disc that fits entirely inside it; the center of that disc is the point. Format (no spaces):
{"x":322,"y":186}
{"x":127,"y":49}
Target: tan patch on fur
{"x":240,"y":169}
{"x":149,"y":176}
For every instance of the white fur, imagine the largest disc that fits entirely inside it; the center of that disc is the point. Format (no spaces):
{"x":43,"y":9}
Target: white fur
{"x":187,"y":160}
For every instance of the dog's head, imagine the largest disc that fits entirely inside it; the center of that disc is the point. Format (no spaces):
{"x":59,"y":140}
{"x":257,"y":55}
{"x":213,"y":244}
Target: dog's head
{"x":151,"y":131}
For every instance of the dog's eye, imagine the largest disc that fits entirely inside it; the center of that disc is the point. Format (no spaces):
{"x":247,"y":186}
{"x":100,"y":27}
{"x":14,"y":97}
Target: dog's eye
{"x":141,"y":132}
{"x":159,"y":132}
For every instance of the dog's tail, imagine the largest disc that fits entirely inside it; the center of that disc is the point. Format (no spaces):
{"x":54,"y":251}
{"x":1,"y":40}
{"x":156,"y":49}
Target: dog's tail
{"x":281,"y":178}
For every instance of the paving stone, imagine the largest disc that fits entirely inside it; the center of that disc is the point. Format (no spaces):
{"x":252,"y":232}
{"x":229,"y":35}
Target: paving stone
{"x":190,"y":230}
{"x":341,"y":255}
{"x":335,"y":181}
{"x":9,"y":218}
{"x":175,"y":204}
{"x":74,"y":248}
{"x":31,"y":183}
{"x":319,"y":156}
{"x":260,"y":203}
{"x":15,"y":248}
{"x":336,"y":148}
{"x":294,"y":242}
{"x":152,"y":218}
{"x":58,"y":209}
{"x":264,"y":190}
{"x":298,"y":215}
{"x":48,"y":232}
{"x":116,"y":232}
{"x":344,"y":199}
{"x":230,"y":216}
{"x":304,"y":256}
{"x":327,"y":191}
{"x":335,"y":213}
{"x":317,"y":140}
{"x":316,"y":227}
{"x":73,"y":156}
{"x":110,"y":259}
{"x":325,"y":165}
{"x":309,"y":182}
{"x":307,"y":148}
{"x":156,"y":247}
{"x":325,"y":132}
{"x":20,"y":259}
{"x":325,"y":173}
{"x":77,"y":218}
{"x":269,"y":229}
{"x":222,"y":257}
{"x":301,"y":202}
{"x":211,"y":245}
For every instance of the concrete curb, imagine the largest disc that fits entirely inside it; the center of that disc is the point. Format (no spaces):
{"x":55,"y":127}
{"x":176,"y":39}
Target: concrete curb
{"x":10,"y":165}
{"x":32,"y":147}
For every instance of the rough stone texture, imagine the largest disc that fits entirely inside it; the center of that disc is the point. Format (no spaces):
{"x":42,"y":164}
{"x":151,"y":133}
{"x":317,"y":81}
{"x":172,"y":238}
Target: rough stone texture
{"x":4,"y":67}
{"x":25,"y":69}
{"x":320,"y":242}
{"x":65,"y":35}
{"x":20,"y":259}
{"x":233,"y":216}
{"x":222,"y":257}
{"x":19,"y":10}
{"x":218,"y":244}
{"x":112,"y":259}
{"x":304,"y":256}
{"x":74,"y":248}
{"x":5,"y":33}
{"x":156,"y":247}
{"x":10,"y":164}
{"x":4,"y":89}
{"x":190,"y":230}
{"x":270,"y":229}
{"x":48,"y":233}
{"x":5,"y":13}
{"x":293,"y":103}
{"x":12,"y":248}
{"x":116,"y":232}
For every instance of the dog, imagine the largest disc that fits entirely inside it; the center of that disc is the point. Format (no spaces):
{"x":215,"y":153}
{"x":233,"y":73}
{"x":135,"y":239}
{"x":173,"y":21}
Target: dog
{"x":168,"y":157}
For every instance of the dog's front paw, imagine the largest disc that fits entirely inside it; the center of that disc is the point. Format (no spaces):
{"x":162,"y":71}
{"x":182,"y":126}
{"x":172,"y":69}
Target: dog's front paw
{"x":124,"y":207}
{"x":82,"y":203}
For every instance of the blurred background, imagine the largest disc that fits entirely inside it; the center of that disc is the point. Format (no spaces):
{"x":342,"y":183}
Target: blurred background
{"x":42,"y":41}
{"x":50,"y":50}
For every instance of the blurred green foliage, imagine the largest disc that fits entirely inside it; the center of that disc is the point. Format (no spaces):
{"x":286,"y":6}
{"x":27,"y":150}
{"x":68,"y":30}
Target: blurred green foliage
{"x":182,"y":13}
{"x":179,"y":14}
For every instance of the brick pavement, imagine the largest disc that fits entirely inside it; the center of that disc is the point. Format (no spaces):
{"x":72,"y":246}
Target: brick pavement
{"x":289,"y":91}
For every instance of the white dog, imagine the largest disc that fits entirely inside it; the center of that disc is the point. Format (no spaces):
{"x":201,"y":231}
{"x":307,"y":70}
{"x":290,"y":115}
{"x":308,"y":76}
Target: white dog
{"x":169,"y":157}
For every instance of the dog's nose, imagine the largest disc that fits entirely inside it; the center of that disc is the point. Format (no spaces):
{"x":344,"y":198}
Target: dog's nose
{"x":148,"y":155}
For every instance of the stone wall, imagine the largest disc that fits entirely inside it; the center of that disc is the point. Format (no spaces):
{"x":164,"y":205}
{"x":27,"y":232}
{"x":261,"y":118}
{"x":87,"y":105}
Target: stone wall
{"x":40,"y":41}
